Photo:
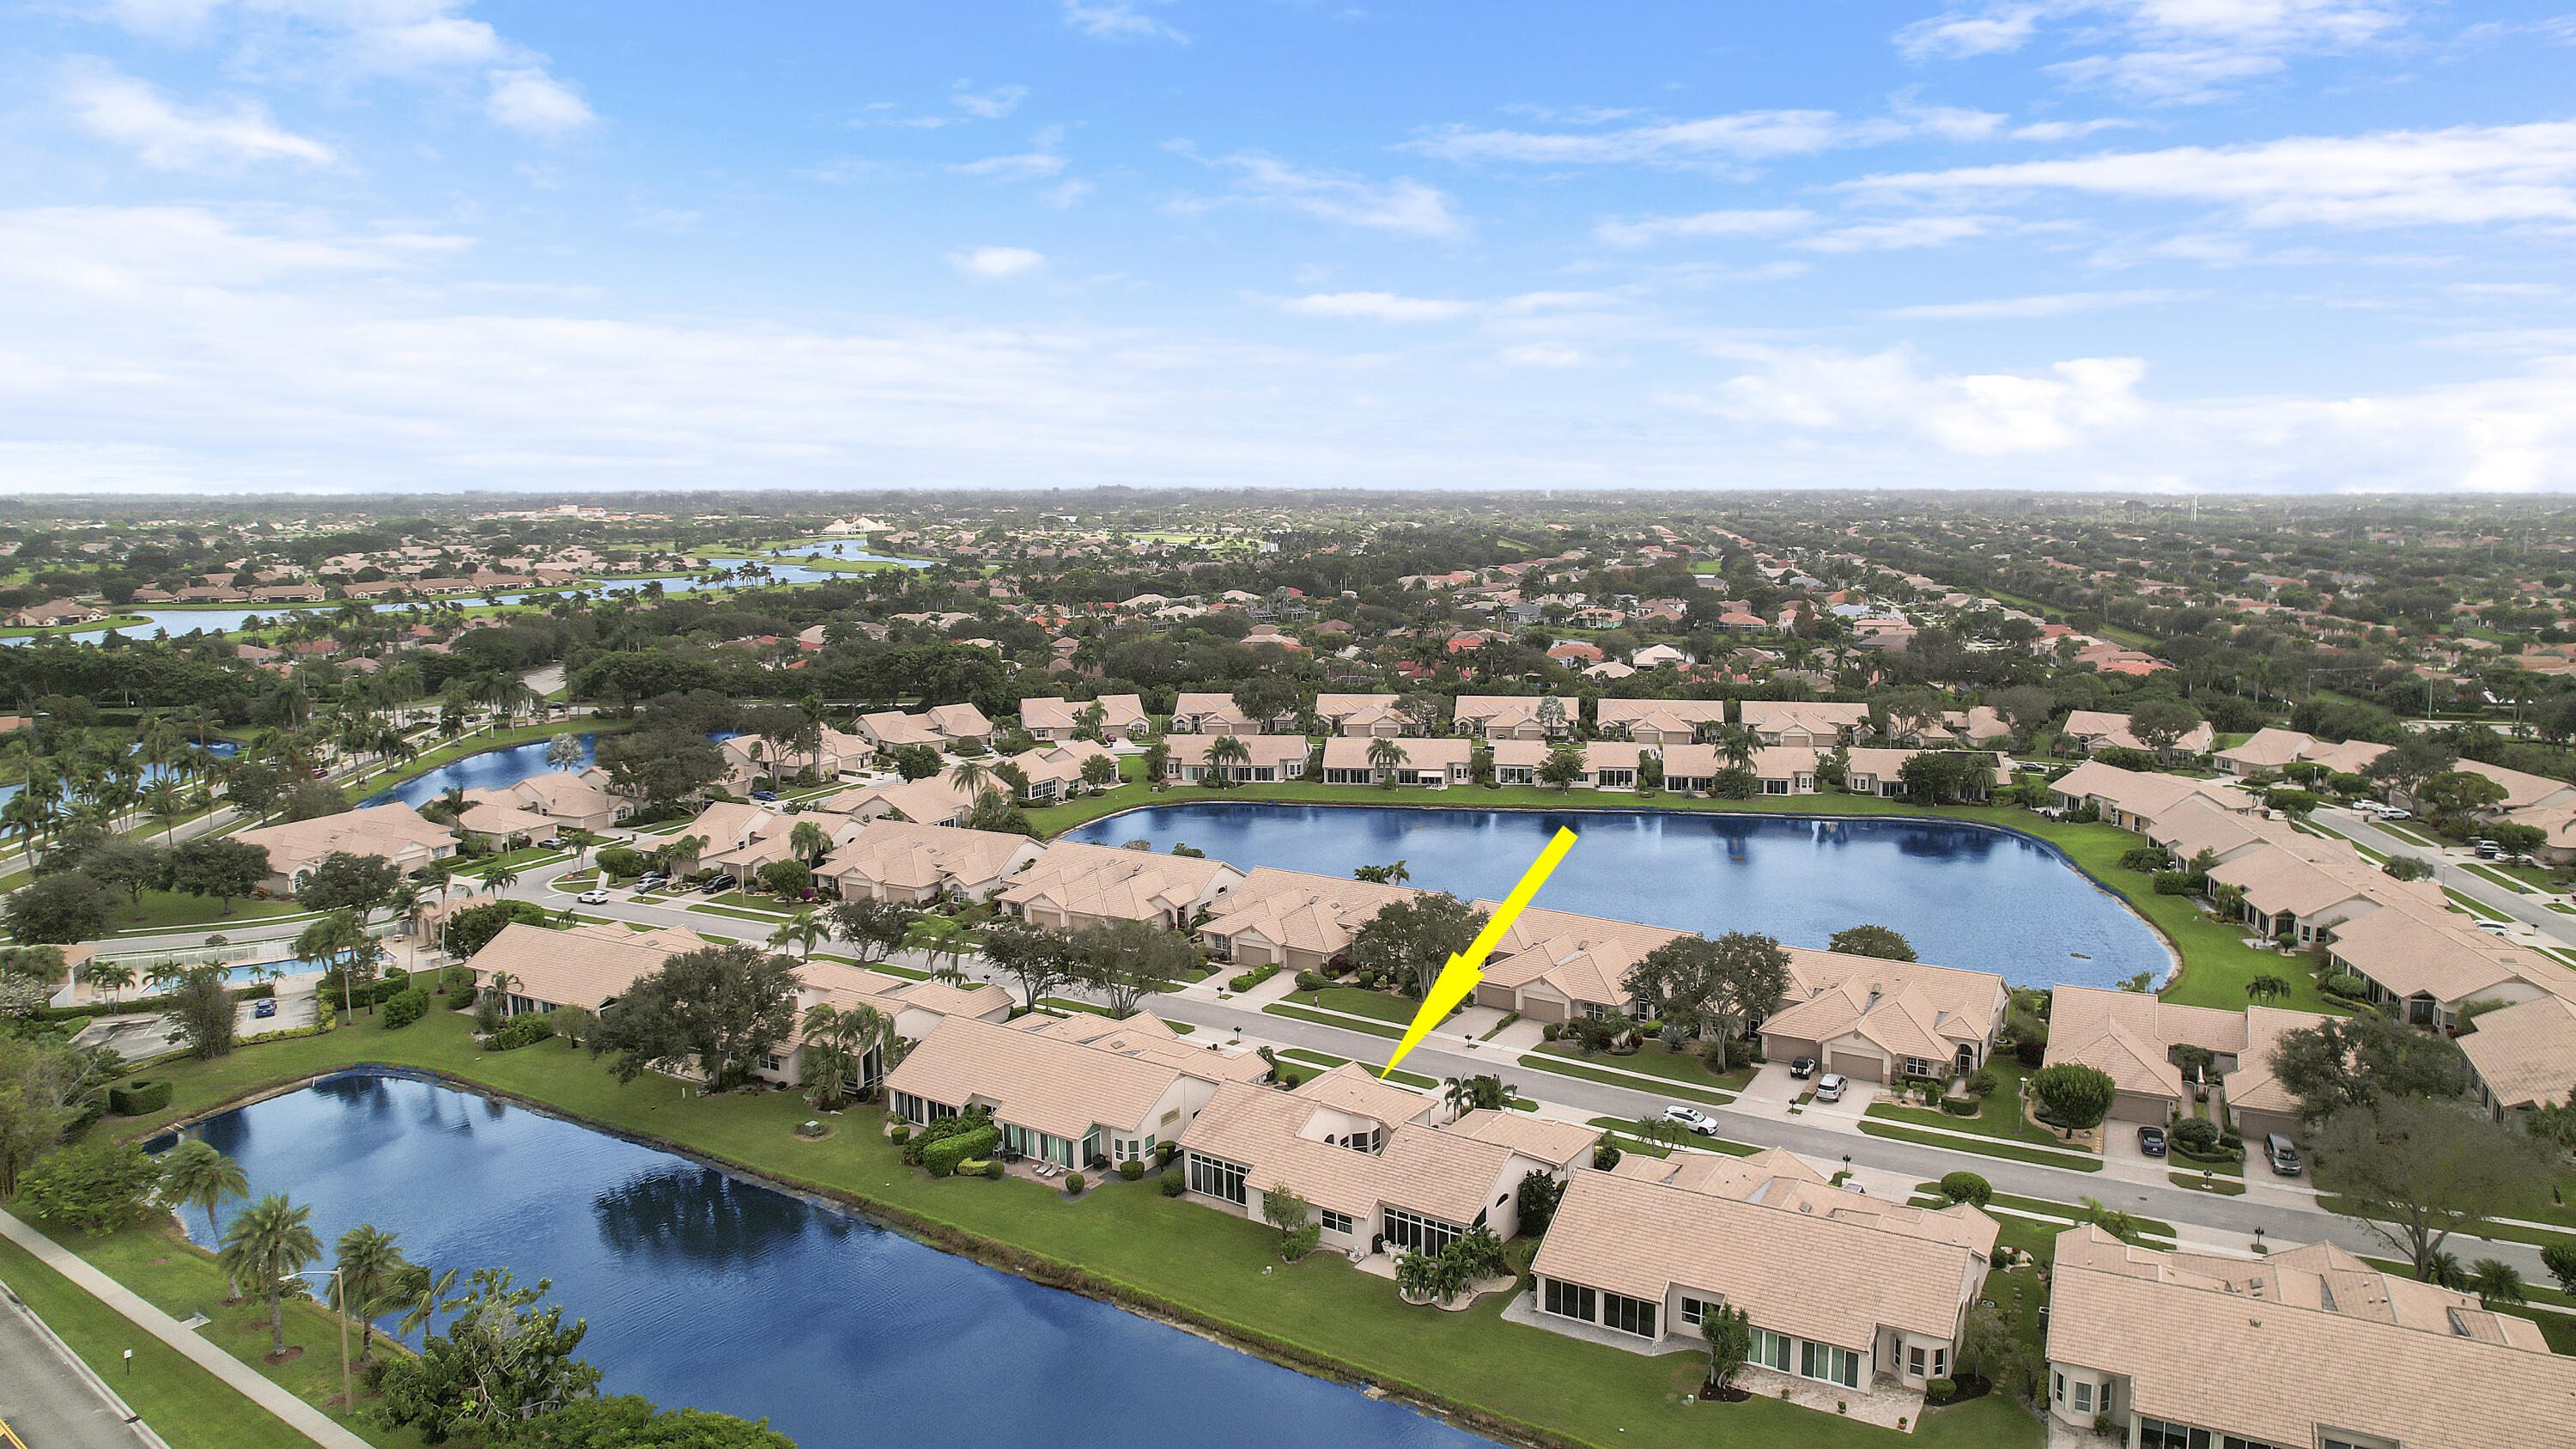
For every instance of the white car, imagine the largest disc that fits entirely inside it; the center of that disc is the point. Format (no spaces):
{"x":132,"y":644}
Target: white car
{"x":1693,"y":1119}
{"x":1829,"y":1087}
{"x":2496,"y":928}
{"x":593,"y":898}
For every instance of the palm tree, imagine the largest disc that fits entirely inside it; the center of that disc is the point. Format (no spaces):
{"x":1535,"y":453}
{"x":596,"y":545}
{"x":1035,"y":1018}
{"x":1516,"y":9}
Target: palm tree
{"x":161,"y":973}
{"x":1223,"y":752}
{"x":802,"y":931}
{"x":268,"y":1243}
{"x":810,"y":841}
{"x":166,"y":804}
{"x":2268,"y":987}
{"x":369,"y":1281}
{"x":426,"y":1297}
{"x":1386,"y":757}
{"x":501,"y":877}
{"x":195,"y":1174}
{"x":969,"y":776}
{"x":2496,"y":1281}
{"x":681,"y":855}
{"x":115,"y":978}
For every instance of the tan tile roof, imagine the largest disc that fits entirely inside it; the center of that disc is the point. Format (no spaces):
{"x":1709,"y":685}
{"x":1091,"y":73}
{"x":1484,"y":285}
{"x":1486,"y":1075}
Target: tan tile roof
{"x":1816,"y":717}
{"x":1813,"y":1274}
{"x":892,"y":728}
{"x":2280,"y":1348}
{"x":1147,"y":1037}
{"x":2413,"y":952}
{"x":2526,"y":1053}
{"x":934,"y":801}
{"x":584,"y":966}
{"x":1351,"y":752}
{"x":1561,"y":1144}
{"x":396,"y":832}
{"x":1427,"y":1170}
{"x":1259,"y":750}
{"x":1913,"y":1002}
{"x":2145,"y":794}
{"x":1115,"y":883}
{"x":1120,"y":712}
{"x":1310,"y":912}
{"x":898,"y":853}
{"x":2252,"y":1087}
{"x":1032,"y":1079}
{"x":1351,"y":709}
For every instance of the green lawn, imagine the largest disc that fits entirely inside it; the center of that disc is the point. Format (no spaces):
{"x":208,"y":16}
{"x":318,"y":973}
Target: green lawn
{"x":1983,"y":1146}
{"x":1998,"y":1116}
{"x":1385,"y":1006}
{"x":1650,"y":1060}
{"x":172,"y":911}
{"x":1299,"y":1013}
{"x":1327,"y":1061}
{"x":1128,"y":1241}
{"x":1670,"y":1087}
{"x":189,"y":1407}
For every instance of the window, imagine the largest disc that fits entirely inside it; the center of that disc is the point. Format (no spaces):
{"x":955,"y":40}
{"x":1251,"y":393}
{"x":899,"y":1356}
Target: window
{"x":1831,"y":1364}
{"x":774,"y":1062}
{"x":1694,"y":1310}
{"x":1770,"y":1350}
{"x":1216,"y":1177}
{"x":1775,"y":787}
{"x":1917,"y":1067}
{"x":2084,"y":1396}
{"x":1416,"y":1233}
{"x":1568,"y":1300}
{"x":1338,"y":1222}
{"x":1628,"y":1315}
{"x":2157,"y":1434}
{"x":2059,"y":1393}
{"x":1916,"y":1361}
{"x":1940,"y":1363}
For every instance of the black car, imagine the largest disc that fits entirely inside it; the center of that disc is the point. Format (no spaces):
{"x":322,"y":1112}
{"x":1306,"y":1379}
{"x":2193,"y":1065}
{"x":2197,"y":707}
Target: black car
{"x":1803,"y":1068}
{"x":718,"y":884}
{"x":2151,"y":1141}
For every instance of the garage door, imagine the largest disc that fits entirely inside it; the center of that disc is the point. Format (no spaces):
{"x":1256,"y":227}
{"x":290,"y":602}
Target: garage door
{"x":2140,"y":1107}
{"x":1497,"y":997}
{"x":1859,"y":1069}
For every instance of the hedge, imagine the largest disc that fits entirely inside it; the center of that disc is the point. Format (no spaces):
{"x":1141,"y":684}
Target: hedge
{"x":139,"y":1096}
{"x":141,"y":1004}
{"x":406,"y":1008}
{"x":942,"y":1156}
{"x":1251,"y":979}
{"x":526,"y":1029}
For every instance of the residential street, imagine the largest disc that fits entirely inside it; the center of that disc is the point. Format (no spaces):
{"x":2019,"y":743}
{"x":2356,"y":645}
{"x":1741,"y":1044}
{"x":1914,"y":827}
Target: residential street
{"x":50,"y":1400}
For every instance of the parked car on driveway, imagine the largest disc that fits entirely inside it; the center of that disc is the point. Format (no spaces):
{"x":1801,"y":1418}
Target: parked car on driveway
{"x":717,"y":885}
{"x":651,"y":880}
{"x":264,"y":1008}
{"x":2283,"y":1157}
{"x":1692,"y":1118}
{"x":592,"y":898}
{"x":1829,"y":1087}
{"x":1803,"y":1068}
{"x":2151,"y":1141}
{"x":764,"y":795}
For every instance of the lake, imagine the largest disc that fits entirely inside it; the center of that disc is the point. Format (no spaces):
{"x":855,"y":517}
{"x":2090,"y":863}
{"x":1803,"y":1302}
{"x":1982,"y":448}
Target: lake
{"x":707,"y":1291}
{"x":491,"y":770}
{"x":1963,"y":895}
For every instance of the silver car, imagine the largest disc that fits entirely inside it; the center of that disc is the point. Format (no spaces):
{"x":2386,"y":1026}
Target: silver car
{"x":1829,"y":1087}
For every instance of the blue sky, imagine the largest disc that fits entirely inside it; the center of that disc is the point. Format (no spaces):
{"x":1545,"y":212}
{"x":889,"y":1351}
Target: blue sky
{"x":2215,"y":245}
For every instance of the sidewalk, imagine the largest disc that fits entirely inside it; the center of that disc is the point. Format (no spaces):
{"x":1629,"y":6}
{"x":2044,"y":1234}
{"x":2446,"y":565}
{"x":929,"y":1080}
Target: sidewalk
{"x":300,"y":1416}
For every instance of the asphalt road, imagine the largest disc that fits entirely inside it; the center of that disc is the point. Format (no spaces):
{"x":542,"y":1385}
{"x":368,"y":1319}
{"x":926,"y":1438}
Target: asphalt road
{"x":49,"y":1399}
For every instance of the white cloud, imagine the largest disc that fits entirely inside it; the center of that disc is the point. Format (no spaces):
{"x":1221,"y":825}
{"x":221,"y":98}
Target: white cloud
{"x":1644,"y":231}
{"x":1547,"y":354}
{"x":2054,"y":304}
{"x":1404,"y":206}
{"x":1066,"y":193}
{"x":2067,"y":130}
{"x":1742,"y":136}
{"x":1379,"y":307}
{"x":1903,"y":234}
{"x":1117,"y":20}
{"x":2169,"y":51}
{"x":1981,"y":414}
{"x":2466,"y":176}
{"x":992,"y":105}
{"x":1037,"y":163}
{"x":117,"y":107}
{"x":996,"y":263}
{"x":528,"y":99}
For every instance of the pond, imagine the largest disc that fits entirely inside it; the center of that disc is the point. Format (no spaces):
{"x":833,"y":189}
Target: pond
{"x":178,"y":622}
{"x":491,"y":770}
{"x":1963,"y":895}
{"x":706,"y":1291}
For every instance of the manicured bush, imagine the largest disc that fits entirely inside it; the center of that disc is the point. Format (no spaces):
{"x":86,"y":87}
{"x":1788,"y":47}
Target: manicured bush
{"x":526,"y":1029}
{"x":2343,"y":985}
{"x":1073,"y":1184}
{"x":1250,"y":979}
{"x":2176,"y":882}
{"x":1940,"y":1390}
{"x":1551,"y":1031}
{"x":2196,"y":1134}
{"x":1132,"y":1169}
{"x":1960,"y":1106}
{"x":1310,"y":981}
{"x":2146,"y":859}
{"x":1173,"y":1186}
{"x":1300,"y":1241}
{"x":406,"y":1008}
{"x":139,"y":1096}
{"x":1164,"y":1152}
{"x":1289,"y":1080}
{"x":1984,"y":1080}
{"x":993,"y":1171}
{"x":943,"y":1156}
{"x":1967,"y":1187}
{"x":901,"y":1134}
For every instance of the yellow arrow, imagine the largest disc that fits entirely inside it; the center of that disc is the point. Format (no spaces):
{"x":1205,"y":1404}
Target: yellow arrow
{"x":1466,"y":968}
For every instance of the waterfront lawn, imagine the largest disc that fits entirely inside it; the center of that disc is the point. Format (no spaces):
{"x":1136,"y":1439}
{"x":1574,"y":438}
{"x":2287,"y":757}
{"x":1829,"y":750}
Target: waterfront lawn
{"x":158,"y":1262}
{"x":190,"y":1407}
{"x":1209,"y":1263}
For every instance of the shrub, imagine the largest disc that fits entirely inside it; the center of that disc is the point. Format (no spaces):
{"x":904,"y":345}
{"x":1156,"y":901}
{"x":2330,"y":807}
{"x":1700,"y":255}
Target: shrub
{"x":1073,"y":1184}
{"x":2030,"y":1053}
{"x":1605,"y":1156}
{"x":1967,"y":1187}
{"x":901,"y":1134}
{"x":1551,"y":1031}
{"x":1300,"y":1241}
{"x":1132,"y":1169}
{"x":94,"y":1185}
{"x":526,"y":1029}
{"x":943,"y":1156}
{"x":2341,"y":984}
{"x":1310,"y":981}
{"x":993,"y":1171}
{"x":1960,"y":1106}
{"x":1289,"y":1080}
{"x":2147,"y":859}
{"x":1250,"y":979}
{"x":1164,"y":1152}
{"x":1174,"y":1187}
{"x":1940,"y":1390}
{"x":2176,"y":882}
{"x":618,"y":860}
{"x":2196,"y":1134}
{"x":406,"y":1008}
{"x":1984,"y":1080}
{"x":139,"y":1096}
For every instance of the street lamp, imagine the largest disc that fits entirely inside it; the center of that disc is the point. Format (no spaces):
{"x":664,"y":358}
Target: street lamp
{"x":348,"y":1403}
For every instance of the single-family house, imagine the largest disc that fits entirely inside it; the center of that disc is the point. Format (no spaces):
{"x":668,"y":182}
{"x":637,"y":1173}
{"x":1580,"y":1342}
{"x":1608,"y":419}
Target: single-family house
{"x":395,"y":831}
{"x":2295,"y":890}
{"x":1875,"y":1020}
{"x":1517,"y":762}
{"x":1514,"y":716}
{"x":1081,"y":1104}
{"x":1437,"y":762}
{"x":1555,"y":966}
{"x":2523,"y":1056}
{"x":2428,"y":965}
{"x":1215,"y":714}
{"x":1810,"y":724}
{"x":1122,"y":717}
{"x":892,"y":860}
{"x":2304,"y":1346}
{"x":1362,"y":715}
{"x":937,"y":800}
{"x":1073,"y":885}
{"x":2137,"y":799}
{"x":1188,"y":758}
{"x":1293,"y":920}
{"x":1660,"y":722}
{"x":2098,"y":729}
